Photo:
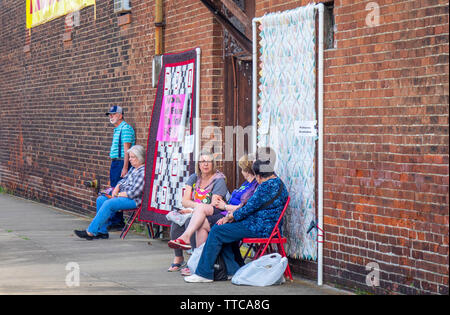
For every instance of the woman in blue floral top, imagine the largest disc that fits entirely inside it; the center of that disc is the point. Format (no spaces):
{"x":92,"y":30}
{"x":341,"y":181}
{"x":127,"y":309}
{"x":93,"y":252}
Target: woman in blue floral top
{"x":256,"y":218}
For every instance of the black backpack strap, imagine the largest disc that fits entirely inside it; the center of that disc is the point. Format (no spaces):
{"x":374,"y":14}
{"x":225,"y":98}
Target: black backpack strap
{"x":268,"y":203}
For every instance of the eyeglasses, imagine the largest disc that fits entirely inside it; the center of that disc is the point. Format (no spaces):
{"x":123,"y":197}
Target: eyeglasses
{"x":204,"y":162}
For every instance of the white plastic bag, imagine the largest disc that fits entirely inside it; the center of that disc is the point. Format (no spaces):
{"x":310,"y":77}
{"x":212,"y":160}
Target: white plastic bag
{"x":195,"y":258}
{"x":266,"y":270}
{"x":177,"y":217}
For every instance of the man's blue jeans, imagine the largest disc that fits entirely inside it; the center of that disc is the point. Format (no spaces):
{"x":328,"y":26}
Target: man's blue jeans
{"x":114,"y":177}
{"x":220,"y":238}
{"x":106,"y":208}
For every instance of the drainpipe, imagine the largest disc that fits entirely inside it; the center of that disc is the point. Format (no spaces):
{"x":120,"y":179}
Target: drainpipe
{"x":159,"y":24}
{"x":197,"y":105}
{"x":255,"y":85}
{"x":321,"y":9}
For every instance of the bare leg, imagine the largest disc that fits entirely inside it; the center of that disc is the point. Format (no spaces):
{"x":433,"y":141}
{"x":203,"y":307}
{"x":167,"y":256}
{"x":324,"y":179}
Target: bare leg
{"x":202,"y":233}
{"x":198,"y":220}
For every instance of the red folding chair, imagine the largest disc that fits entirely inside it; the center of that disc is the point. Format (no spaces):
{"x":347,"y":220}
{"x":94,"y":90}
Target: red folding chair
{"x":262,"y":244}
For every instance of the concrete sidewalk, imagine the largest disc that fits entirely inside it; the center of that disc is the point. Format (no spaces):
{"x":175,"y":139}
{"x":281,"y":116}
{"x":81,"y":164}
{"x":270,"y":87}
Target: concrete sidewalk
{"x":37,"y":244}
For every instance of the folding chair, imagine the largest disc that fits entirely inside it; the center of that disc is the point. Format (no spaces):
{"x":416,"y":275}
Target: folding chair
{"x":262,"y":244}
{"x":130,"y":220}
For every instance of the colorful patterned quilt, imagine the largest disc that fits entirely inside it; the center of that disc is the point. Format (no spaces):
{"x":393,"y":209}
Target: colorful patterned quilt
{"x":287,"y":100}
{"x":169,"y":160}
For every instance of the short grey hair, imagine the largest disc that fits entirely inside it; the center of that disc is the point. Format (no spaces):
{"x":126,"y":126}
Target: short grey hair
{"x":138,"y":151}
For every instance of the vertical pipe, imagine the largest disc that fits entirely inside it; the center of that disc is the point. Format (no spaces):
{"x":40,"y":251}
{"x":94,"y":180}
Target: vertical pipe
{"x":254,"y":87}
{"x":197,"y":106}
{"x":159,"y":23}
{"x":235,"y":120}
{"x":321,"y":9}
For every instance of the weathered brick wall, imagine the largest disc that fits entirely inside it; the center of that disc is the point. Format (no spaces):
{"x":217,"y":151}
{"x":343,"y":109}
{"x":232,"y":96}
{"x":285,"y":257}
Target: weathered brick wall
{"x":387,"y":137}
{"x":386,"y":178}
{"x":54,"y":133}
{"x":386,"y":121}
{"x":183,"y":24}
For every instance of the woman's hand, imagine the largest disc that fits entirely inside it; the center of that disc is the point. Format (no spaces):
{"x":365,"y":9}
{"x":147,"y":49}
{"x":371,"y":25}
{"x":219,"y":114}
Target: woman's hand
{"x":228,"y":218}
{"x":122,"y":194}
{"x":220,"y":204}
{"x":115,"y":192}
{"x":222,"y":221}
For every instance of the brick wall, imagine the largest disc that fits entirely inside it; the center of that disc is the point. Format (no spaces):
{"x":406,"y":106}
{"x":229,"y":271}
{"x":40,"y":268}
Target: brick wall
{"x":386,"y":146}
{"x":55,"y":91}
{"x":386,"y":122}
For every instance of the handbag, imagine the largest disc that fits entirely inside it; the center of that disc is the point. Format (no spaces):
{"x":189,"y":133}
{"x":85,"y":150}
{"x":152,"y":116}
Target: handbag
{"x":106,"y":192}
{"x":220,"y":269}
{"x":178,"y":218}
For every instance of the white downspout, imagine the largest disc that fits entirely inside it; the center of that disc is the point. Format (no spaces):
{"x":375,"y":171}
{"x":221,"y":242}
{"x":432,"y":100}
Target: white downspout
{"x":255,"y":86}
{"x":321,"y":9}
{"x":197,"y":107}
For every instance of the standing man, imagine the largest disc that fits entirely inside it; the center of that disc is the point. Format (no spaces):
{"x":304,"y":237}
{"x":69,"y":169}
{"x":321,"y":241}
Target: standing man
{"x":123,"y":139}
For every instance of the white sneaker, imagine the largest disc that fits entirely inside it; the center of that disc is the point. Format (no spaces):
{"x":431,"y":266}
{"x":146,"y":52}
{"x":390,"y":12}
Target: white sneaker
{"x":197,"y":279}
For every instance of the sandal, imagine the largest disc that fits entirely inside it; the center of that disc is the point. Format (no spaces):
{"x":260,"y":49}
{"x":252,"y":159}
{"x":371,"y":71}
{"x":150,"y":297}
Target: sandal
{"x":186,"y":272}
{"x":176,"y":267}
{"x":179,"y":244}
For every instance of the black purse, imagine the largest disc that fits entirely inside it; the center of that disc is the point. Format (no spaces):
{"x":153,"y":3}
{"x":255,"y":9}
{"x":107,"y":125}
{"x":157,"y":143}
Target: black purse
{"x":220,"y":269}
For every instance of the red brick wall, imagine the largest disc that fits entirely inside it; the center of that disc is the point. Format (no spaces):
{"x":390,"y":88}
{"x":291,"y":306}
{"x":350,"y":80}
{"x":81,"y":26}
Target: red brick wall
{"x":386,"y":179}
{"x":55,"y":134}
{"x":386,"y":122}
{"x":181,"y":33}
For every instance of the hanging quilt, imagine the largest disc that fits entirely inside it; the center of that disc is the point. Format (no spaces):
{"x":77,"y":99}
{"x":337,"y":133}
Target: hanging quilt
{"x":286,"y":101}
{"x":169,"y":160}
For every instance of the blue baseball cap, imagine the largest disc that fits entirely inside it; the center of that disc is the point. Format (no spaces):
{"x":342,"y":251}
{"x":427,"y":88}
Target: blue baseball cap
{"x":115,"y":110}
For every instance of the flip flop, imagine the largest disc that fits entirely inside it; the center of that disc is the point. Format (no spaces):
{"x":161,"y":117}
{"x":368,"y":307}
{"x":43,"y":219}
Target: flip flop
{"x":179,"y":244}
{"x":176,"y":267}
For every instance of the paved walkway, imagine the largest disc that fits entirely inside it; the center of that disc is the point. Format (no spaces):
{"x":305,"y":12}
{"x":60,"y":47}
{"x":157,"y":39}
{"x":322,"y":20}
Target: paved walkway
{"x":37,"y":244}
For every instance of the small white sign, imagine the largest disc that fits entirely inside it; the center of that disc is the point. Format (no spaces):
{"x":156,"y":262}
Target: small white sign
{"x":306,"y":128}
{"x":188,"y":146}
